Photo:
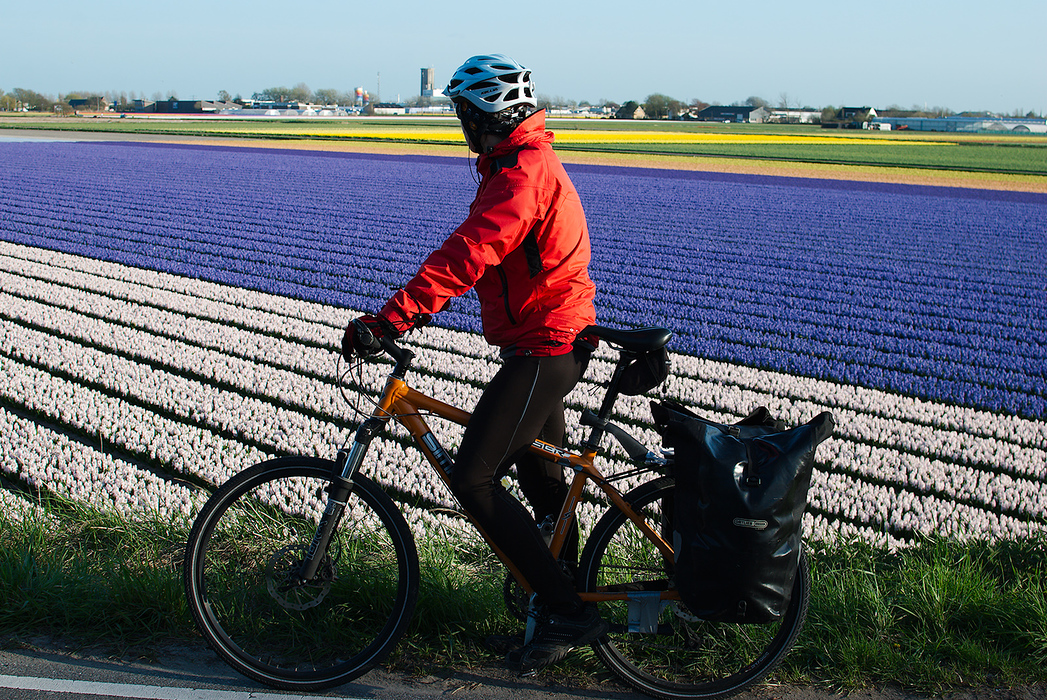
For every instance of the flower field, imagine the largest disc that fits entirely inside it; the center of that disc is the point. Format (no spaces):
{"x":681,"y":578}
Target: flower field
{"x":170,"y":315}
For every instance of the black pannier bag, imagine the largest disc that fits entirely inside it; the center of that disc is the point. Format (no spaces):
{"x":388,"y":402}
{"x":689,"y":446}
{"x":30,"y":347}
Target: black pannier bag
{"x":741,"y":492}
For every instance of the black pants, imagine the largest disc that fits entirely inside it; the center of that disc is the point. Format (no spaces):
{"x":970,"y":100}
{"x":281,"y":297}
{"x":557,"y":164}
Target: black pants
{"x":524,"y":401}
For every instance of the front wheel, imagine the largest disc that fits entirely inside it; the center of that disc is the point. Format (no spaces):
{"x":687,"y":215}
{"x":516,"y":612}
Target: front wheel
{"x":659,"y":647}
{"x":241,"y":580}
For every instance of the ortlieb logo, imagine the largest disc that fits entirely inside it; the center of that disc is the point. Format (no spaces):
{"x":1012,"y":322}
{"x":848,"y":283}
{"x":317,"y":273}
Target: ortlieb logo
{"x":751,"y":524}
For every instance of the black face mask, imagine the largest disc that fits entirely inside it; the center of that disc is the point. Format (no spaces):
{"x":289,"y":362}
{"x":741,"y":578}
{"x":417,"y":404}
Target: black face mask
{"x":474,"y":123}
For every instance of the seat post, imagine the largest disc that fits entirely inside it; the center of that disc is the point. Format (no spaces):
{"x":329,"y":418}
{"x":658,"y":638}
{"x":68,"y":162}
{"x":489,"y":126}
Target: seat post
{"x":597,"y":433}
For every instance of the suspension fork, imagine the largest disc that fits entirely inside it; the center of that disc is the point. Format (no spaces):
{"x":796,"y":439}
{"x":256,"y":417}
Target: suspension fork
{"x":338,"y":492}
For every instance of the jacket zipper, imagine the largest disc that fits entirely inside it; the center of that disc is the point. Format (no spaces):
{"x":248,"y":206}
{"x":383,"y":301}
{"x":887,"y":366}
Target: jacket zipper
{"x":505,"y":295}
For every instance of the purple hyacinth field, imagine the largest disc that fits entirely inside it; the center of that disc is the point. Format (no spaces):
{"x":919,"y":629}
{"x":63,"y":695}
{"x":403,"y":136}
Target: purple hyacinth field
{"x":172,"y":310}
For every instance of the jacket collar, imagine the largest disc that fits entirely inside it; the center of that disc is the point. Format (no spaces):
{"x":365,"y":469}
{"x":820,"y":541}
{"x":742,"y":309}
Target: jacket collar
{"x":530,"y":131}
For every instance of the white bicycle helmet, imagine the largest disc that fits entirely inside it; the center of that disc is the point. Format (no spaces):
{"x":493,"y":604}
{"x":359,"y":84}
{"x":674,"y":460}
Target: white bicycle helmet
{"x":492,"y":82}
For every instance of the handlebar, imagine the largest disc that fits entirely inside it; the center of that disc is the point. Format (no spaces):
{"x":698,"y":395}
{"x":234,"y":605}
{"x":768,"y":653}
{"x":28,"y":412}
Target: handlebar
{"x":402,"y":356}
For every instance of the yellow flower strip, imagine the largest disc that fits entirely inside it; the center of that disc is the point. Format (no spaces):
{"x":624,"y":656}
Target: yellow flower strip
{"x":685,"y":138}
{"x":620,"y":137}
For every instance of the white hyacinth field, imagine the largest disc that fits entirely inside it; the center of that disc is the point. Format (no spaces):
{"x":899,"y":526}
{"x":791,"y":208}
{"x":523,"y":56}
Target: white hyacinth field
{"x":136,"y":391}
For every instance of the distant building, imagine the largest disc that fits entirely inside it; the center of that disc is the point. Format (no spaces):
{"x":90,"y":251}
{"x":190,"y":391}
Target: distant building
{"x":95,"y":103}
{"x":389,"y":108}
{"x":271,"y":104}
{"x":630,"y":110}
{"x":183,"y":106}
{"x":962,"y":124}
{"x":428,"y":84}
{"x":851,"y":118}
{"x":178,"y":107}
{"x":793,"y":116}
{"x":863,"y":114}
{"x":734,"y":113}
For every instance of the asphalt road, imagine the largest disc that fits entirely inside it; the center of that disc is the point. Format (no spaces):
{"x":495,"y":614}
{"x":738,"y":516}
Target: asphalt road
{"x":45,"y":669}
{"x":42,"y":669}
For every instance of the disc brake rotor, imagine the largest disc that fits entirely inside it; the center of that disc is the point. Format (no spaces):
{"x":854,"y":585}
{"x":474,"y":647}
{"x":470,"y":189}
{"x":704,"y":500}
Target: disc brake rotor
{"x":281,"y":579}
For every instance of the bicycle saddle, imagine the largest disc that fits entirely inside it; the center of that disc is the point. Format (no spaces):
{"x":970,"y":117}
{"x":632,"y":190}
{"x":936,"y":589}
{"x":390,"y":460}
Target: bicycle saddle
{"x":637,"y":340}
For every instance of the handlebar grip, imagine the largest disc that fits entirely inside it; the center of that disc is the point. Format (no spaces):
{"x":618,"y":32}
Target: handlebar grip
{"x":373,"y":341}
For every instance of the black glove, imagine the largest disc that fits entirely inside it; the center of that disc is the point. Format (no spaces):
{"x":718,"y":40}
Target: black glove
{"x":362,"y":336}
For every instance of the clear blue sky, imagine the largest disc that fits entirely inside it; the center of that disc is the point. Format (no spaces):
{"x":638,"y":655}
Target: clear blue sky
{"x":962,"y":55}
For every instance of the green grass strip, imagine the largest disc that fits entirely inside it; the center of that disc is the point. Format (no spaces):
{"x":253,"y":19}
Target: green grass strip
{"x":941,"y":615}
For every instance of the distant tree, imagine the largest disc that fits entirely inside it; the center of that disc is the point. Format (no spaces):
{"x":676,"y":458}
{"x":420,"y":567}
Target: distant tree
{"x":829,"y":114}
{"x":330,"y":96}
{"x":757,"y":102}
{"x":697,"y":105}
{"x":550,"y":101}
{"x":930,"y":112}
{"x":34,"y":101}
{"x":224,"y":96}
{"x":273,"y":94}
{"x":301,"y":93}
{"x":658,"y":106}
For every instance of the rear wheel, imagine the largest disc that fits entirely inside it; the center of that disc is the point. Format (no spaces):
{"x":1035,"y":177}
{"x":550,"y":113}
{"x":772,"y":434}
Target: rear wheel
{"x":241,"y":580}
{"x":657,"y":646}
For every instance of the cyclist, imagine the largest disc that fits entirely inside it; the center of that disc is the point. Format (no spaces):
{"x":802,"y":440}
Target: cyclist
{"x":524,"y":247}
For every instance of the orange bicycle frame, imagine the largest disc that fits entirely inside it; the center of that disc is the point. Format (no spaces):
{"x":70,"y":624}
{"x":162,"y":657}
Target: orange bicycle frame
{"x":408,"y":407}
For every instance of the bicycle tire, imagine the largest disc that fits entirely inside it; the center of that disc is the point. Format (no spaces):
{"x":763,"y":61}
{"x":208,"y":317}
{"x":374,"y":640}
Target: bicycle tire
{"x":678,"y":656}
{"x":252,"y":533}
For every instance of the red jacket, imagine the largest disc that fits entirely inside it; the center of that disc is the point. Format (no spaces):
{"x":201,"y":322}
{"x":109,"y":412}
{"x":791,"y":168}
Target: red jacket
{"x":524,"y":247}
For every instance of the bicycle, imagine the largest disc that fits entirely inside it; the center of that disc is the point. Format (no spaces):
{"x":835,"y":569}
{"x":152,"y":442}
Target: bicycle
{"x":303,"y":574}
